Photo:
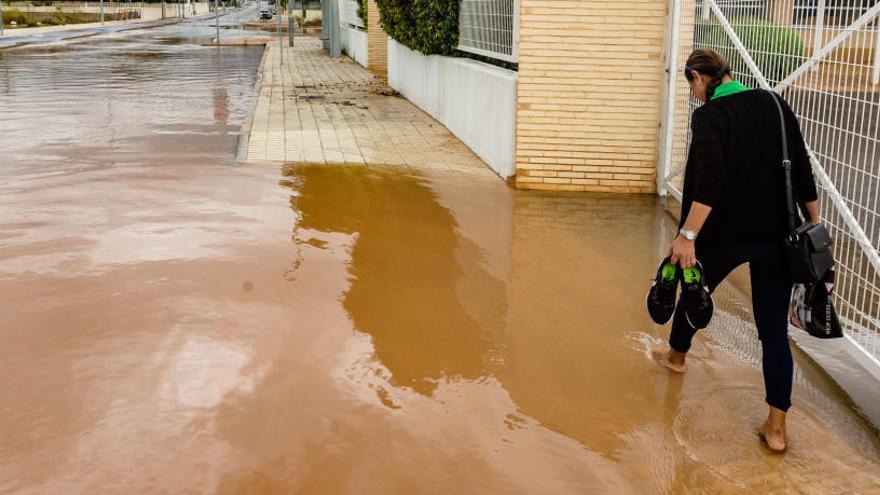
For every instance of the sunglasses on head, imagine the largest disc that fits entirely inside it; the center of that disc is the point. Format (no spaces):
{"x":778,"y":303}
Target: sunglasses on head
{"x":689,"y":73}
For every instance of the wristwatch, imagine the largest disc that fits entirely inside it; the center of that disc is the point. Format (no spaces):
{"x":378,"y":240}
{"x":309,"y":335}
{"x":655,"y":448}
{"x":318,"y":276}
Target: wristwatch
{"x":688,"y":234}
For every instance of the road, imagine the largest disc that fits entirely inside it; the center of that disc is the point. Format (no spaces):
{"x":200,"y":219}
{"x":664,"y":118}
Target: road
{"x":231,"y":19}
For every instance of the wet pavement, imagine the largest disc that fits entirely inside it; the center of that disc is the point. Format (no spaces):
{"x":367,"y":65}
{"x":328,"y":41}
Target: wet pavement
{"x":174,"y":322}
{"x":317,"y":109}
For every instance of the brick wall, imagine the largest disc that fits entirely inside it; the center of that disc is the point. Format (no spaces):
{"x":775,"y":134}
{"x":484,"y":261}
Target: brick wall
{"x":590,"y":93}
{"x":377,"y":42}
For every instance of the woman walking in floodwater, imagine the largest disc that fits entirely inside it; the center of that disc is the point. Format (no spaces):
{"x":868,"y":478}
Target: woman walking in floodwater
{"x":733,"y":212}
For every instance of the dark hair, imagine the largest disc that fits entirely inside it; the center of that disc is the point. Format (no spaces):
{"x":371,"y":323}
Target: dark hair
{"x":711,"y":63}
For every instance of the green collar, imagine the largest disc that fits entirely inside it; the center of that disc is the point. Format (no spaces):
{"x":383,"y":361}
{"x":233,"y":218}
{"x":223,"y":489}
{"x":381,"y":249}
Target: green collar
{"x":730,"y":88}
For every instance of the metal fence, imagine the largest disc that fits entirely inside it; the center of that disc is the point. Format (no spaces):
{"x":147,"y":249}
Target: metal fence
{"x":348,"y":16}
{"x":830,"y":74}
{"x":829,"y":12}
{"x":490,"y":28}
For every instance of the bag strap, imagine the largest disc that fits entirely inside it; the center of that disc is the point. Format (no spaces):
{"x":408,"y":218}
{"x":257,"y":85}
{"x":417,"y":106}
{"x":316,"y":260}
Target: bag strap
{"x":790,"y":201}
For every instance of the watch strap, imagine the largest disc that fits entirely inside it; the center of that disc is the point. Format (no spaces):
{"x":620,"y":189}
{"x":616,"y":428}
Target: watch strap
{"x":688,"y":234}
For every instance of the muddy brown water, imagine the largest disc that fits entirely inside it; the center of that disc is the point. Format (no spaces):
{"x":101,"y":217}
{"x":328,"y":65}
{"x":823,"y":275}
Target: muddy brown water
{"x":174,"y":323}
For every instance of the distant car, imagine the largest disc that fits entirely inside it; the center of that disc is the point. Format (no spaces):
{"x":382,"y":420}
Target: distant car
{"x":265,"y":13}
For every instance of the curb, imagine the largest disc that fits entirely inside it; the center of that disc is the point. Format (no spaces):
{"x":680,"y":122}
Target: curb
{"x":241,"y":149}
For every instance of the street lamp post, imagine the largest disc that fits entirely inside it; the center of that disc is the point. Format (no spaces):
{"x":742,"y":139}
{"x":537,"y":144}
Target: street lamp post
{"x":1,"y":18}
{"x":278,"y":30}
{"x":290,"y":22}
{"x":217,"y":20}
{"x":102,"y":12}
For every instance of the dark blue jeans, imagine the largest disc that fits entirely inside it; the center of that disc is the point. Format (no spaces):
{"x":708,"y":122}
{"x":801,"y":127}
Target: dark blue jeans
{"x":771,"y":294}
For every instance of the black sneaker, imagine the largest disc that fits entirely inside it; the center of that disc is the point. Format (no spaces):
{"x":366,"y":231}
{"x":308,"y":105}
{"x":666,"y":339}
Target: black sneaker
{"x":661,"y":296}
{"x":698,"y":304}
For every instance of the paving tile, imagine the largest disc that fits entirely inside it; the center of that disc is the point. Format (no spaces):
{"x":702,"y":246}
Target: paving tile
{"x":314,"y":109}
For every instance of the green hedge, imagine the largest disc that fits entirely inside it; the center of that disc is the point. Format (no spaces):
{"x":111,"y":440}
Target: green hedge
{"x":777,"y":50}
{"x":426,"y":26}
{"x":362,"y":11}
{"x":57,"y":18}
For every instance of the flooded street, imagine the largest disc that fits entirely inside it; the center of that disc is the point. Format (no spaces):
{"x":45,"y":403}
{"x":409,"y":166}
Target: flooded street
{"x":174,"y":322}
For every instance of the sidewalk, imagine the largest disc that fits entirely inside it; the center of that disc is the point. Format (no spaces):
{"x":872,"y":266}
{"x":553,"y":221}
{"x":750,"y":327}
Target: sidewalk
{"x":315,"y":109}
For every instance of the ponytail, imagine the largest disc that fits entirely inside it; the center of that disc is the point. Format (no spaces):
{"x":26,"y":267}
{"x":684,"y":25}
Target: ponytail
{"x":713,"y":85}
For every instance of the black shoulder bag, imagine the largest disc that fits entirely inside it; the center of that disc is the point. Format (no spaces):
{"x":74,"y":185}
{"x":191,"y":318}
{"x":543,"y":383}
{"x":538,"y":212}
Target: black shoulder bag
{"x":808,"y":247}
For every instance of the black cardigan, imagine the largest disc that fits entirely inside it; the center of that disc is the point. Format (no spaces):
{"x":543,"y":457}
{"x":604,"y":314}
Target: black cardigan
{"x":735,"y":167}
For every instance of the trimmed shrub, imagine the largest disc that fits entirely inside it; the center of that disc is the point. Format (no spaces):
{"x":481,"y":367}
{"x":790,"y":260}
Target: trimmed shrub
{"x":777,"y":50}
{"x":426,"y":26}
{"x":60,"y":17}
{"x":362,"y":11}
{"x":23,"y":19}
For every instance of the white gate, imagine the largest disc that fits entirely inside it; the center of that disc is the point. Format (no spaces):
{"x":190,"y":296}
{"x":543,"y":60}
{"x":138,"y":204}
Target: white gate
{"x":823,"y":56}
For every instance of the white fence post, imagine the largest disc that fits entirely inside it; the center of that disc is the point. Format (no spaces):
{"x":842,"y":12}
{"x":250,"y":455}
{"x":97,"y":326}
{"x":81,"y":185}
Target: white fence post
{"x":875,"y":79}
{"x":819,"y":33}
{"x":667,"y":126}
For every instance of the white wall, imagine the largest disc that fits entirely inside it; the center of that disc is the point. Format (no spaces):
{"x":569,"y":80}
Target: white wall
{"x":474,"y":100}
{"x":354,"y":42}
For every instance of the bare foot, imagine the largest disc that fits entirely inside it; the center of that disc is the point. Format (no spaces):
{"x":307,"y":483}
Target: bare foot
{"x":672,"y":360}
{"x":773,"y":431}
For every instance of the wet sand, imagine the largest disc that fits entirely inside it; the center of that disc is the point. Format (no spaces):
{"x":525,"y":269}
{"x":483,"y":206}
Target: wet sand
{"x":175,"y":323}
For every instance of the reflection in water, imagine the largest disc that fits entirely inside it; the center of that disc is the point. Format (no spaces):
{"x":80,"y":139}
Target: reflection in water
{"x":561,"y":358}
{"x":575,"y":260}
{"x":202,"y":372}
{"x":428,"y":409}
{"x":406,"y":275}
{"x":221,"y":106}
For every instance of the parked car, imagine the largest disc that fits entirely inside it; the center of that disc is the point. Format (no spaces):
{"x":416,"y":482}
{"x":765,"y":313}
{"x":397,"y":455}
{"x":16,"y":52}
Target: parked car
{"x":265,"y":12}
